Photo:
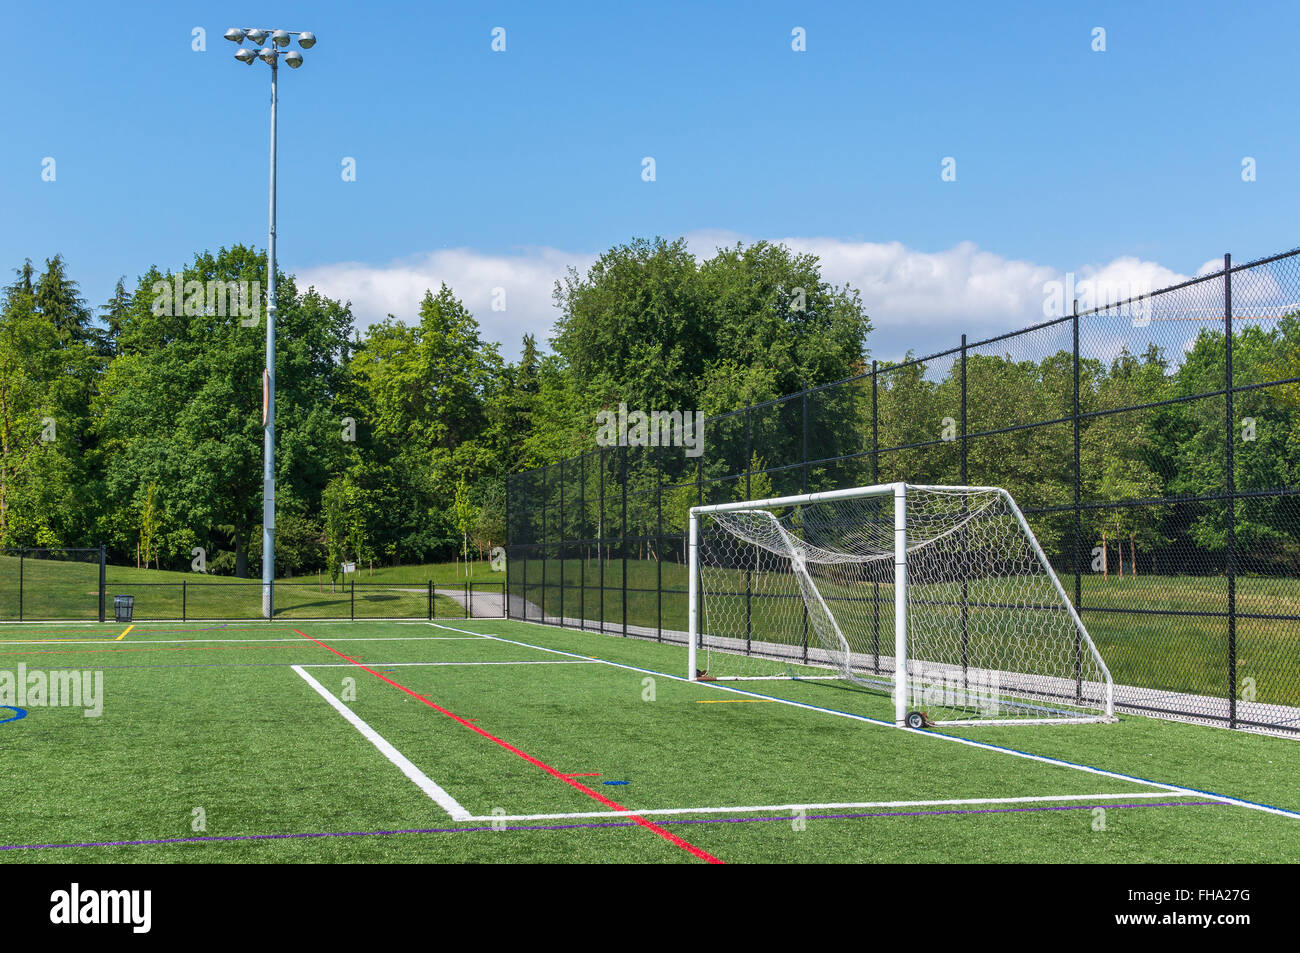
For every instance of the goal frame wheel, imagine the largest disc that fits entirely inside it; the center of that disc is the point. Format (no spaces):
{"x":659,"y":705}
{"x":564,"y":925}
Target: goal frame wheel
{"x":916,"y":720}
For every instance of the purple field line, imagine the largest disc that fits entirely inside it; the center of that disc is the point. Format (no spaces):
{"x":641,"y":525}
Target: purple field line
{"x":594,"y":824}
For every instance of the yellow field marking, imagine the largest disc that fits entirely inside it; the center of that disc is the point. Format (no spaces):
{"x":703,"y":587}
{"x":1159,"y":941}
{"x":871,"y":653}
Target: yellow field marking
{"x":83,"y":641}
{"x":734,"y":701}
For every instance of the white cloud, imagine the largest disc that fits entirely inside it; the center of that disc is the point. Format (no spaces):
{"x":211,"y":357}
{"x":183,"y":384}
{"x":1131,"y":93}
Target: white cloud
{"x":918,"y":300}
{"x":523,"y":281}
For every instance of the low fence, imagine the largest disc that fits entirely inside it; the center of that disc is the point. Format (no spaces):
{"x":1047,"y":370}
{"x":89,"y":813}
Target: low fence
{"x":76,"y":585}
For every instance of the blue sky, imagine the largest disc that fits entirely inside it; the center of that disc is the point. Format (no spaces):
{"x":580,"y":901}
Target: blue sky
{"x":499,"y":169}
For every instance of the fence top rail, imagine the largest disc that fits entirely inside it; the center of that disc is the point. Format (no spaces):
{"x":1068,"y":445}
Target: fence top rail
{"x":4,"y":550}
{"x":1266,"y":260}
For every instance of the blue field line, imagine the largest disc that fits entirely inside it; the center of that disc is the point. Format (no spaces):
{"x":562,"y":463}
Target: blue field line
{"x":1046,"y":759}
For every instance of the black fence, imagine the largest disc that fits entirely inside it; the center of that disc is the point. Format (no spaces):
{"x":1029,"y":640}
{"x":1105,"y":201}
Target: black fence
{"x":52,"y":584}
{"x":77,"y":585}
{"x":1153,"y":444}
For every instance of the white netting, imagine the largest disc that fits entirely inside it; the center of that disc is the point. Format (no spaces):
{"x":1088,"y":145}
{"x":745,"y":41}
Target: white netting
{"x":808,"y":591}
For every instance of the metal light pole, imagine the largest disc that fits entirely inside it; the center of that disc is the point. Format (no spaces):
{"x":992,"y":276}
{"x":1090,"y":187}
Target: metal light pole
{"x":269,"y":54}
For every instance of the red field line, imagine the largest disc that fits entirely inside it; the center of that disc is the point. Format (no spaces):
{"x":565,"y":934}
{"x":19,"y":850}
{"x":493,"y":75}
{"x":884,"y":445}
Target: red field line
{"x":553,"y":772}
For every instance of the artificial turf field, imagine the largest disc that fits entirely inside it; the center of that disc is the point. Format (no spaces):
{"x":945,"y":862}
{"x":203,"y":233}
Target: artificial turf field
{"x":497,"y":741}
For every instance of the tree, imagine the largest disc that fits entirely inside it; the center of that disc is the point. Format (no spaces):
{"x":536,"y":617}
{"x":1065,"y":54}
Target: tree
{"x":58,"y":298}
{"x":649,"y":326}
{"x":760,"y":483}
{"x":425,"y":392}
{"x":149,"y":524}
{"x":334,"y":505}
{"x":489,"y":527}
{"x":45,"y":381}
{"x":180,"y":403}
{"x":463,"y":511}
{"x":114,"y":314}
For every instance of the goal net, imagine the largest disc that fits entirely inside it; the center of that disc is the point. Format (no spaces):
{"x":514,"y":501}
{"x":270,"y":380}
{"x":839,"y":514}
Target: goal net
{"x":940,"y":596}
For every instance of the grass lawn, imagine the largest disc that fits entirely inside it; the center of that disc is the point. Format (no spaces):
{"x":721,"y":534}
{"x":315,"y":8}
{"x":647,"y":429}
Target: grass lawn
{"x":401,"y":742}
{"x":59,"y":589}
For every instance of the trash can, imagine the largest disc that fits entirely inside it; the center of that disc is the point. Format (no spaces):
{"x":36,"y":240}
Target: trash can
{"x":123,"y":606}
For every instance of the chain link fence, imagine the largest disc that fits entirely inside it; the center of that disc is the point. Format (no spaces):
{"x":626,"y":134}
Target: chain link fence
{"x":1153,"y":444}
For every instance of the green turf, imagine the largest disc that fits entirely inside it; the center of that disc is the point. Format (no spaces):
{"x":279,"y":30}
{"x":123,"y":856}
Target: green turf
{"x":213,"y":719}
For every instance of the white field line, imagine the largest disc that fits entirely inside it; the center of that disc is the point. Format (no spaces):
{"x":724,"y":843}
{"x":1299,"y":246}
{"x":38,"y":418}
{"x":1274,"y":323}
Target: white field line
{"x":385,"y":638}
{"x":431,"y":664}
{"x":422,"y":781}
{"x":1043,"y":759}
{"x":958,"y":802}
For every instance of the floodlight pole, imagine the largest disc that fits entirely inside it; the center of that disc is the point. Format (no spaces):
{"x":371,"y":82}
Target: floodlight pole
{"x":268,"y":422}
{"x":276,"y":41}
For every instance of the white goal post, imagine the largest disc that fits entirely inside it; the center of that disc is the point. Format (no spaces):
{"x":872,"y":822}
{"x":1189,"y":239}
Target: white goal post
{"x":939,"y":595}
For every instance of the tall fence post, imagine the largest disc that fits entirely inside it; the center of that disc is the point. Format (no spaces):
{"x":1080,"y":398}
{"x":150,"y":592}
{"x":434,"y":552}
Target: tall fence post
{"x":803,"y":475}
{"x":659,"y":544}
{"x":875,"y":479}
{"x":524,"y":547}
{"x":352,"y":602}
{"x":965,"y":551}
{"x":543,"y":540}
{"x":749,"y":495}
{"x":584,"y":552}
{"x":22,"y":556}
{"x":1078,"y":476}
{"x":623,"y":574}
{"x":875,"y":427}
{"x":803,"y":488}
{"x":1230,"y":438}
{"x":1078,"y":509}
{"x":601,"y":532}
{"x":430,"y":615}
{"x":505,"y":542}
{"x":964,"y":479}
{"x":699,"y":501}
{"x":561,"y":536}
{"x":103,"y":579}
{"x":185,"y":598}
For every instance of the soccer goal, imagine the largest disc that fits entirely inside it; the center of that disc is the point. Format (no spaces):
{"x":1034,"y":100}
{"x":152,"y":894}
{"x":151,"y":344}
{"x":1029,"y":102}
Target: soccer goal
{"x":939,"y":595}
